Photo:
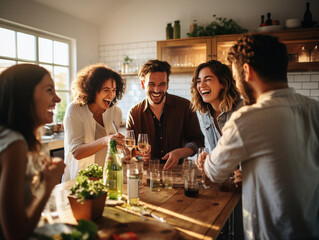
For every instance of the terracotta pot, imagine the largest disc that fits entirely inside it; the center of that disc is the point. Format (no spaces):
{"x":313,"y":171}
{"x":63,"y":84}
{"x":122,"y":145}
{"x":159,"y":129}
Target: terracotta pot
{"x":94,"y":178}
{"x":89,"y":209}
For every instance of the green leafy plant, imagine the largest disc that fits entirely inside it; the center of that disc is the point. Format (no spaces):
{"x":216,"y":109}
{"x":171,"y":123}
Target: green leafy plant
{"x":128,"y":60}
{"x":87,"y":189}
{"x":220,"y":26}
{"x":93,"y":170}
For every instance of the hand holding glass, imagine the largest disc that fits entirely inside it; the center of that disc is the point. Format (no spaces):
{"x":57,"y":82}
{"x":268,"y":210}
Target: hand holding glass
{"x":129,"y":141}
{"x":201,"y":150}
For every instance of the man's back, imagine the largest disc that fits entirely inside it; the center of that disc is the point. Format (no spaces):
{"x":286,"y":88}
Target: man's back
{"x":280,"y":165}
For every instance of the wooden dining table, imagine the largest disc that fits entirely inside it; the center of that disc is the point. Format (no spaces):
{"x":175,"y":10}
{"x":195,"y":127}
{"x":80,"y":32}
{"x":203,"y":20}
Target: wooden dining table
{"x":201,"y":217}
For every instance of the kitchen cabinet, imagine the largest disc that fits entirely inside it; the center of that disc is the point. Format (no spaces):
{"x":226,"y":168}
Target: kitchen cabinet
{"x":185,"y":55}
{"x":300,"y":44}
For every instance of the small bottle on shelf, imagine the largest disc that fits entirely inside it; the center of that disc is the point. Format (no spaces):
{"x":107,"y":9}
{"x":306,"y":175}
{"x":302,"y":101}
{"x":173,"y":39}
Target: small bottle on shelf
{"x":177,"y":29}
{"x":314,"y":55}
{"x":262,"y":22}
{"x":307,"y":19}
{"x":268,"y":21}
{"x":169,"y":31}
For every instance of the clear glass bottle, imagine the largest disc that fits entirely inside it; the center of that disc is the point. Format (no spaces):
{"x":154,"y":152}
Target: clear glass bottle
{"x":177,"y":29}
{"x":169,"y":31}
{"x":113,"y":173}
{"x":133,"y":185}
{"x":303,"y":55}
{"x":314,"y":55}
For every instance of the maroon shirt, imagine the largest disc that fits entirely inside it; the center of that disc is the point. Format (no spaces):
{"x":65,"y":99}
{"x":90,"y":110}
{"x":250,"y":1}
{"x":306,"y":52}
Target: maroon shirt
{"x":178,"y":127}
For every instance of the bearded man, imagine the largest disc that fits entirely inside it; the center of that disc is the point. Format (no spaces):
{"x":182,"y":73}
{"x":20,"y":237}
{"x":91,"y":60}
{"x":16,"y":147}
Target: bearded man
{"x":172,"y":127}
{"x":275,"y":139}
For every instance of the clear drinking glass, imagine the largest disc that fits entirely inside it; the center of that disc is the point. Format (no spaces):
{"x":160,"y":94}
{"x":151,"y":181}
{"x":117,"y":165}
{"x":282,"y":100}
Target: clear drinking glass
{"x":142,"y":142}
{"x":129,"y":140}
{"x":203,"y":184}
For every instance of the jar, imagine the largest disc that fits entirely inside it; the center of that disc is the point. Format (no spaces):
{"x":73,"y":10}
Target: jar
{"x":169,"y":31}
{"x":177,"y":29}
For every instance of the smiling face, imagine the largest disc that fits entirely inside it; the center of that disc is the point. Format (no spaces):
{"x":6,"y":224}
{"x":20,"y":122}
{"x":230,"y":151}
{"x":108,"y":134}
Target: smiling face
{"x":209,"y":87}
{"x":106,"y":95}
{"x":155,"y":86}
{"x":45,"y":99}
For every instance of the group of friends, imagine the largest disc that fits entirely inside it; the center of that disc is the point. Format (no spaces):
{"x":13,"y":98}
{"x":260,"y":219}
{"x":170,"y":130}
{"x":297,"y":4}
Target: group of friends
{"x":247,"y":117}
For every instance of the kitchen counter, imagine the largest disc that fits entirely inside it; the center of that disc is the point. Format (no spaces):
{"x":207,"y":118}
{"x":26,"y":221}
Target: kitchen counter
{"x":55,"y":141}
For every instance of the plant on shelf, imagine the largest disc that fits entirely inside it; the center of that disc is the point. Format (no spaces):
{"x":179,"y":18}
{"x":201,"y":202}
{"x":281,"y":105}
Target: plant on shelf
{"x":92,"y":171}
{"x":220,"y":26}
{"x":128,"y":60}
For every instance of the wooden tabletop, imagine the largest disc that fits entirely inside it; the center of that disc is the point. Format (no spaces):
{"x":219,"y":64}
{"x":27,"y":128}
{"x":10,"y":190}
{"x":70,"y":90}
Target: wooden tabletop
{"x":202,"y":217}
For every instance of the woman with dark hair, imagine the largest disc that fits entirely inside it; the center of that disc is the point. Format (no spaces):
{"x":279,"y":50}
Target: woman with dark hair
{"x":88,"y":119}
{"x":215,"y":97}
{"x":27,"y":98}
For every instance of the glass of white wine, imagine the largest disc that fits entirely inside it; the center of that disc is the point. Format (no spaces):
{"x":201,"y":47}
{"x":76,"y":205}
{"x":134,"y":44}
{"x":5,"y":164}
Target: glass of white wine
{"x":142,"y":142}
{"x":129,"y":141}
{"x":200,"y":150}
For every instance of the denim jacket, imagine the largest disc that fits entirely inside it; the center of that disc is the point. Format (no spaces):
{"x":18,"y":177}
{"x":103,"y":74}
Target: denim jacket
{"x":209,"y":128}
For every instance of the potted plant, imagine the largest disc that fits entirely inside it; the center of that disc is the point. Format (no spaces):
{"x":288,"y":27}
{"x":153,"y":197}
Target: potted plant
{"x":126,"y":62}
{"x":87,"y":198}
{"x":93,"y":172}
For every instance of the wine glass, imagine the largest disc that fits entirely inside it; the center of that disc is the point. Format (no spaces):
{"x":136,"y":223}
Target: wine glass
{"x":129,"y":140}
{"x":142,"y":142}
{"x":200,"y":150}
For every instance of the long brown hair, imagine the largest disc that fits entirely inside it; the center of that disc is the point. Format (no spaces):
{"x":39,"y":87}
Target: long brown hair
{"x":17,"y":107}
{"x":229,"y":95}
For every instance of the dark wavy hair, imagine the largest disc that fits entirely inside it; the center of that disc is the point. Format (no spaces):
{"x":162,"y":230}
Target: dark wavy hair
{"x":228,"y":96}
{"x":264,"y":53}
{"x":89,"y":81}
{"x":17,"y":107}
{"x":154,"y":66}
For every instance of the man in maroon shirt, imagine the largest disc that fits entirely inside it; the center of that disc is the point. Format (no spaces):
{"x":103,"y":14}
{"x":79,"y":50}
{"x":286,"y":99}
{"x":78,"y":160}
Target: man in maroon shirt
{"x":173,"y":129}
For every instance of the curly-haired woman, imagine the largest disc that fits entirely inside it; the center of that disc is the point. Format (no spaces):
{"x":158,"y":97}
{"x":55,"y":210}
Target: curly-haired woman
{"x":88,"y":119}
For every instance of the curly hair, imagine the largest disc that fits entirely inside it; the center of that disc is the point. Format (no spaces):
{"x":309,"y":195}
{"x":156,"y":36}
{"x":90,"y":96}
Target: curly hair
{"x":264,"y":53}
{"x":17,"y":106}
{"x":229,"y":95}
{"x":154,"y":66}
{"x":90,"y":79}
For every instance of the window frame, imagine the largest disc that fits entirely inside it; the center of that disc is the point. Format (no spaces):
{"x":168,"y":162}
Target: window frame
{"x":37,"y":33}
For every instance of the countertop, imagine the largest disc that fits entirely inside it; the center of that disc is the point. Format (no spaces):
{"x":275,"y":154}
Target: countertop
{"x":54,"y":141}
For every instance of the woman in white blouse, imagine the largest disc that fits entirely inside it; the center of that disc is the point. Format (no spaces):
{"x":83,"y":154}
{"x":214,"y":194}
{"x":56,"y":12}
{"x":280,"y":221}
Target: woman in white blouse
{"x":88,"y":119}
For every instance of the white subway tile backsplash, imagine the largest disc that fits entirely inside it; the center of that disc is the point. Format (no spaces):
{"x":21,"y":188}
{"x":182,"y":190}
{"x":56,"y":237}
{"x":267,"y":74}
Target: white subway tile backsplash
{"x":302,"y":78}
{"x":314,"y":78}
{"x":310,"y":85}
{"x":295,"y":85}
{"x":314,"y":93}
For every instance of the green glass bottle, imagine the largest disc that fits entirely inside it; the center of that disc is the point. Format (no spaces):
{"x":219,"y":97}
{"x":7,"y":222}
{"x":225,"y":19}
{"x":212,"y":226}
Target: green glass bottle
{"x":169,"y":31}
{"x":177,"y":29}
{"x":113,"y":173}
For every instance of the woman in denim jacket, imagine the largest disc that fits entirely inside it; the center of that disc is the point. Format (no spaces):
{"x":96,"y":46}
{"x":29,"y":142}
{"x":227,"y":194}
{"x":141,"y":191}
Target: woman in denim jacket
{"x":214,"y":97}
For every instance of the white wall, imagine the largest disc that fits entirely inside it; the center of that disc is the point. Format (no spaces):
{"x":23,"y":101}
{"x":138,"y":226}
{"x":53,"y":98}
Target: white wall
{"x":145,"y":20}
{"x":30,"y":13}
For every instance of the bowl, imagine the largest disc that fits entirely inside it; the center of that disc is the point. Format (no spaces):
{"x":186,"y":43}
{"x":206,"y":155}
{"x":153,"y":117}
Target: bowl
{"x":270,"y":28}
{"x":293,"y":23}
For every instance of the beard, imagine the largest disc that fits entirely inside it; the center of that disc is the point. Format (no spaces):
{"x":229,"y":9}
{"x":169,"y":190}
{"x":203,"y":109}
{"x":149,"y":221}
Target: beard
{"x":245,"y":90}
{"x":157,"y":100}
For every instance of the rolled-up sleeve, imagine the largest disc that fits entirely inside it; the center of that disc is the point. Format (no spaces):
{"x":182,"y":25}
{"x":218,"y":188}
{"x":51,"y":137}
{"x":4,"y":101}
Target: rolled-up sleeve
{"x":74,"y":128}
{"x":226,"y":156}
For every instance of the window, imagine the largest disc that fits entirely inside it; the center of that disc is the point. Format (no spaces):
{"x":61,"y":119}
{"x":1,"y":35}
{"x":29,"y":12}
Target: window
{"x":23,"y":45}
